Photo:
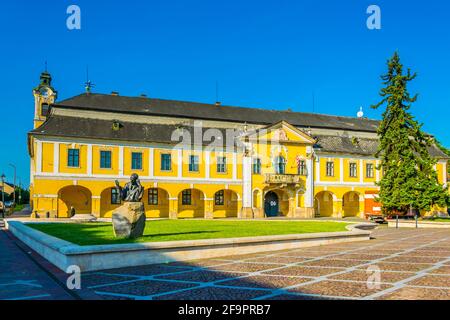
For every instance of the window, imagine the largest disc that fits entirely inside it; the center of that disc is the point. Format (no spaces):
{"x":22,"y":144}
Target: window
{"x":302,"y":168}
{"x":256,"y":166}
{"x":166,"y":162}
{"x":153,"y":197}
{"x":45,"y":109}
{"x":219,"y":198}
{"x":73,"y":158}
{"x":330,"y":169}
{"x":193,"y":164}
{"x":280,"y":165}
{"x":353,"y":170}
{"x":186,"y":198}
{"x":369,"y":170}
{"x":136,"y":161}
{"x":115,"y":196}
{"x":105,"y":159}
{"x":221,"y":165}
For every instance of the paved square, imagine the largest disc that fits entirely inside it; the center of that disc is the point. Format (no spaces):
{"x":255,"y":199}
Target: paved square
{"x":396,"y":264}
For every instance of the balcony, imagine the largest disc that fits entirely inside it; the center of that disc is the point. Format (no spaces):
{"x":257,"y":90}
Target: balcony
{"x":284,"y":179}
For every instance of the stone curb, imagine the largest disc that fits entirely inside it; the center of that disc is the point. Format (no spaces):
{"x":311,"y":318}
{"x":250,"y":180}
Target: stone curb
{"x":91,"y":258}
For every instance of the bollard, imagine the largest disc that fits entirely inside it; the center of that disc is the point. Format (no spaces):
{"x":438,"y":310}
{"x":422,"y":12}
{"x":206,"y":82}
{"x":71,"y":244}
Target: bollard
{"x":417,"y":222}
{"x":396,"y":223}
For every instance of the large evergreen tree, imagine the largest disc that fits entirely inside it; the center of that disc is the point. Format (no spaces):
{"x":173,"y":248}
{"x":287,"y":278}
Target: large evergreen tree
{"x":409,"y":179}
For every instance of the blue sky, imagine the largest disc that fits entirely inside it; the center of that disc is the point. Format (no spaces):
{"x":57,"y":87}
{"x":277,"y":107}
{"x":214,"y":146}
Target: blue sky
{"x":269,"y":54}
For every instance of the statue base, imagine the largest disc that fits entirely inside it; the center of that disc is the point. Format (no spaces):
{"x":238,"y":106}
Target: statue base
{"x":129,"y":220}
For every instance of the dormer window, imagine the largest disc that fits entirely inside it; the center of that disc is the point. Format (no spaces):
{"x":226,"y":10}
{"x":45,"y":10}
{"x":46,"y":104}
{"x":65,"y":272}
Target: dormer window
{"x":45,"y":109}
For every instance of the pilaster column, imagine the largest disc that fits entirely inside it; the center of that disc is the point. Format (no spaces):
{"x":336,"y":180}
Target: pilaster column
{"x":338,"y":210}
{"x":39,"y":157}
{"x":362,"y":205}
{"x":95,"y":210}
{"x":56,"y":157}
{"x":89,"y":160}
{"x":173,"y":208}
{"x":309,"y":192}
{"x":209,"y":209}
{"x":247,"y":196}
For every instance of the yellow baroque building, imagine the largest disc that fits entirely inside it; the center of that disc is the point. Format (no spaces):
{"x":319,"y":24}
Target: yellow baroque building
{"x":200,"y":160}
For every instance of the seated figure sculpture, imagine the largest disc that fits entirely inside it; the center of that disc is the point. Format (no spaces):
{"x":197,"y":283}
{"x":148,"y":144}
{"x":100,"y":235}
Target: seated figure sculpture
{"x":133,"y":191}
{"x":129,"y":219}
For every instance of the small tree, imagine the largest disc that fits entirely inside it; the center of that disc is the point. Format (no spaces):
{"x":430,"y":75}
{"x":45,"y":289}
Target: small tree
{"x":409,"y":178}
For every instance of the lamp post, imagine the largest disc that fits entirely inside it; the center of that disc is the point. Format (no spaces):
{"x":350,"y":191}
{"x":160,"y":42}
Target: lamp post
{"x":3,"y":195}
{"x":15,"y":171}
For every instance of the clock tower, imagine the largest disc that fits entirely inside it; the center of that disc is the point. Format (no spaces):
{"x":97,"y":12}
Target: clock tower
{"x":44,"y":96}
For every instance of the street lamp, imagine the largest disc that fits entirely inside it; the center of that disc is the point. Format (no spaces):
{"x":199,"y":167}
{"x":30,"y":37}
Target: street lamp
{"x":15,"y":171}
{"x":3,"y":195}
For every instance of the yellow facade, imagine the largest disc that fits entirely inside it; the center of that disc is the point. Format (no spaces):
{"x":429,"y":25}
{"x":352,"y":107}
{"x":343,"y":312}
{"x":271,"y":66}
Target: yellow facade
{"x":277,"y":172}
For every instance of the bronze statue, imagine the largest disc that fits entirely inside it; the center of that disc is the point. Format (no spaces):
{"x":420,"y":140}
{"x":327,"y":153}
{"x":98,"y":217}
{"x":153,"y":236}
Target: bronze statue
{"x":133,"y":190}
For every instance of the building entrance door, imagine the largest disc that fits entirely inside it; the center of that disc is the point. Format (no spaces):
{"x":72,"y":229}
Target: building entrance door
{"x":271,"y":205}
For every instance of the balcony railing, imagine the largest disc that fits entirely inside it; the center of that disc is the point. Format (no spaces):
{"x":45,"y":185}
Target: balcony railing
{"x":284,"y":179}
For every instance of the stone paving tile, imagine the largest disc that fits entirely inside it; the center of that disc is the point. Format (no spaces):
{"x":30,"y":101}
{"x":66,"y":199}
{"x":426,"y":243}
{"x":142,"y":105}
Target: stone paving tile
{"x":278,"y":259}
{"x":145,"y":287}
{"x":425,"y":253}
{"x":245,"y":267}
{"x":333,"y":263}
{"x":442,"y":270}
{"x":339,"y":289}
{"x":441,"y":249}
{"x":363,"y":276}
{"x":20,"y":291}
{"x":90,"y":280}
{"x":266,"y":282}
{"x":300,"y":271}
{"x":108,"y":297}
{"x":242,"y":257}
{"x":197,"y":263}
{"x":297,"y":297}
{"x":414,"y":259}
{"x":411,"y":293}
{"x":377,"y":252}
{"x":360,"y":256}
{"x":213,"y":293}
{"x":404,"y":267}
{"x":147,"y":270}
{"x":432,"y":281}
{"x":202,"y":276}
{"x":303,"y":254}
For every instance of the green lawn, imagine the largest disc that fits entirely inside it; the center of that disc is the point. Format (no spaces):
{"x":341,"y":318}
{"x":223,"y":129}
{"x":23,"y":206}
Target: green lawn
{"x":174,"y":230}
{"x":438,"y":220}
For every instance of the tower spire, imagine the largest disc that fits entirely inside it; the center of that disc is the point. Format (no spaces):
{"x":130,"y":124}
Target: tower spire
{"x":88,"y":85}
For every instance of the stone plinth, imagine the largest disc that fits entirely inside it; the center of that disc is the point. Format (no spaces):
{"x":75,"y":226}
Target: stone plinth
{"x":84,"y":218}
{"x":129,"y":220}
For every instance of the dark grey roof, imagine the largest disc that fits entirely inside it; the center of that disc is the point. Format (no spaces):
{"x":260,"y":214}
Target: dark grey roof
{"x":359,"y":146}
{"x":194,"y":110}
{"x":87,"y":128}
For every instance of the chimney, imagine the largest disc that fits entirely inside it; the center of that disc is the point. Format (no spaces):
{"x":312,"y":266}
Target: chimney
{"x":115,"y":93}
